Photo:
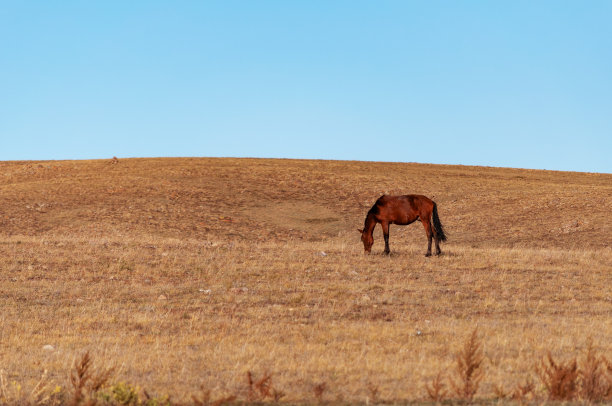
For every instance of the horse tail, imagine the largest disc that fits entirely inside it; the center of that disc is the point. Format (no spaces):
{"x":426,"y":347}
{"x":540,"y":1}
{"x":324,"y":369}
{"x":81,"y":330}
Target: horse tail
{"x":437,"y":224}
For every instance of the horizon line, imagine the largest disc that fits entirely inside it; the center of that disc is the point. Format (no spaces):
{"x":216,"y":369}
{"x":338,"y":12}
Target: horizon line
{"x":298,"y":159}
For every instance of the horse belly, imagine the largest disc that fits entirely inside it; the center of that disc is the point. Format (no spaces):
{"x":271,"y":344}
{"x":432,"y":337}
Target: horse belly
{"x":405,"y":220}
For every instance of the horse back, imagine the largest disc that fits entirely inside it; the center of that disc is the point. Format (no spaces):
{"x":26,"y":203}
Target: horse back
{"x":403,"y":209}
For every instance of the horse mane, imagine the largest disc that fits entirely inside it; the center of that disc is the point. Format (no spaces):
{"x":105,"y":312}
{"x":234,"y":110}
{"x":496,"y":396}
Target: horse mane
{"x":369,"y":220}
{"x":374,"y":209}
{"x":372,"y":213}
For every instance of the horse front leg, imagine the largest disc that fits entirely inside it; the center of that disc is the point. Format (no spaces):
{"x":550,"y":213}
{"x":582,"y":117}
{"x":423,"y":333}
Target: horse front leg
{"x":385,"y":229}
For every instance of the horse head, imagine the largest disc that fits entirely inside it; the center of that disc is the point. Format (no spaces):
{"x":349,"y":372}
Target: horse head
{"x":367,"y":240}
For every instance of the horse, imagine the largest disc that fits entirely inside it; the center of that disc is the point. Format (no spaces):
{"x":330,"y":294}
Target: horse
{"x":403,"y":210}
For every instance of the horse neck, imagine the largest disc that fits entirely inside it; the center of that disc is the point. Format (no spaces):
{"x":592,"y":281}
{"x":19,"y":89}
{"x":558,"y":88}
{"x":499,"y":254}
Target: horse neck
{"x":370,"y":222}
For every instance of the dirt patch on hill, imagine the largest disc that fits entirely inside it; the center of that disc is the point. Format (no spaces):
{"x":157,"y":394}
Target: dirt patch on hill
{"x":297,"y":216}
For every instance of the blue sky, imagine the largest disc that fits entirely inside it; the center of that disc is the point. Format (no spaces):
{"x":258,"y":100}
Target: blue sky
{"x":499,"y":83}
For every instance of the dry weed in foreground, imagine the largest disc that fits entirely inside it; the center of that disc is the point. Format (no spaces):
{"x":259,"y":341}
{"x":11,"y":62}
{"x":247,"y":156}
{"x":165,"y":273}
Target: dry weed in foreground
{"x":560,"y":379}
{"x":205,"y":399}
{"x":524,"y":391}
{"x":318,"y":390}
{"x":589,"y":380}
{"x":436,"y":390}
{"x":595,"y":379}
{"x":469,"y":368}
{"x":261,"y":389}
{"x":374,"y":392}
{"x":469,"y":372}
{"x":85,"y":381}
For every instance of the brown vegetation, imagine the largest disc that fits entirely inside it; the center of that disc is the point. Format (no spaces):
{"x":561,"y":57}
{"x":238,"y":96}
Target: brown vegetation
{"x":469,"y":368}
{"x":183,"y":271}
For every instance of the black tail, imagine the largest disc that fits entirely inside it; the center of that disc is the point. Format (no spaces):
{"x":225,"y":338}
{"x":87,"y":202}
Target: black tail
{"x":437,"y":224}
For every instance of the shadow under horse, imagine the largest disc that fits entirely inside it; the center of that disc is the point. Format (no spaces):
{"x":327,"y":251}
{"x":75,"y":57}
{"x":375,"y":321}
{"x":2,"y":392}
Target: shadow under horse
{"x":403,"y":210}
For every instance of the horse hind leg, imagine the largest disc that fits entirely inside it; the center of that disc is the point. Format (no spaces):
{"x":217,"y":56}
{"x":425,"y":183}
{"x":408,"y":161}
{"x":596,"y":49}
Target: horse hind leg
{"x":437,"y":240}
{"x":428,"y":231}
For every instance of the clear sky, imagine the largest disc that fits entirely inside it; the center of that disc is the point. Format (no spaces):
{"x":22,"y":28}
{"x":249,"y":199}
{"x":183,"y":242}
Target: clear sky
{"x":499,"y":83}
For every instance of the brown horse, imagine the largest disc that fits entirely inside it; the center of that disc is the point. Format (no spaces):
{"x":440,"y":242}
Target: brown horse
{"x":403,"y":210}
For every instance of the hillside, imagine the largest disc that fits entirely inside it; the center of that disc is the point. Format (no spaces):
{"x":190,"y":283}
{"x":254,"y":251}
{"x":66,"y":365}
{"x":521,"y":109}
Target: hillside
{"x":190,"y":273}
{"x":259,"y":199}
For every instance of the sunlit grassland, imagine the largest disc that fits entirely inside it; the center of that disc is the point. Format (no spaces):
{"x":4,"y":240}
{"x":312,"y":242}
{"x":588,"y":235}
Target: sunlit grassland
{"x":183,"y":272}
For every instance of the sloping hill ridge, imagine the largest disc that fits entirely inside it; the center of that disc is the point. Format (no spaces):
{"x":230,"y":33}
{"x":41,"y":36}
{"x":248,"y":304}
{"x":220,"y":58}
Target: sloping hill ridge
{"x":217,"y":199}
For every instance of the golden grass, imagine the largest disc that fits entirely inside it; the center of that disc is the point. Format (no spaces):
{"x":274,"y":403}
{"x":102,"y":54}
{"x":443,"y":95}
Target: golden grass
{"x":186,"y":275}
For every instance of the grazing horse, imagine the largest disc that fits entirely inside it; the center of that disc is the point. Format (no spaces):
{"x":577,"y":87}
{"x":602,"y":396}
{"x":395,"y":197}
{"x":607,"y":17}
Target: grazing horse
{"x":403,"y":210}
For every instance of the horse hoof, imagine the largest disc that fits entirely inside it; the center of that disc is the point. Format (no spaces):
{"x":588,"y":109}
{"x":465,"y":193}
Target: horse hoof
{"x":428,"y":254}
{"x":386,"y":252}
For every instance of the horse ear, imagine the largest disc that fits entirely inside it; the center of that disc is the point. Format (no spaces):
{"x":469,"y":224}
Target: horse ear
{"x":360,"y":231}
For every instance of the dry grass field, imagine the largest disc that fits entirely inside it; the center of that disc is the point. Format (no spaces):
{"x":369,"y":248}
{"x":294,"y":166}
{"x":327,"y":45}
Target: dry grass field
{"x":190,"y":273}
